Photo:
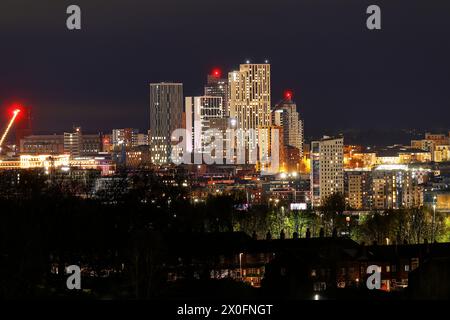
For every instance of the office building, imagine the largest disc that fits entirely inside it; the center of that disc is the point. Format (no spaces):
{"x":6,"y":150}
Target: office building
{"x":73,"y":142}
{"x":166,"y":110}
{"x":91,"y":144}
{"x":202,"y":114}
{"x":217,"y":86}
{"x":77,"y":144}
{"x":42,"y":144}
{"x":286,"y":116}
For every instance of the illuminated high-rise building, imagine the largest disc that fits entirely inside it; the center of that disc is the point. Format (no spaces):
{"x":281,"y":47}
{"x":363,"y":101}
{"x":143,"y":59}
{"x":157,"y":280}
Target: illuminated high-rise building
{"x":73,"y":142}
{"x":249,"y":95}
{"x":200,"y":112}
{"x":249,"y":104}
{"x":327,"y":168}
{"x":217,"y":86}
{"x":77,"y":144}
{"x":166,"y":110}
{"x":357,"y":184}
{"x":286,"y":116}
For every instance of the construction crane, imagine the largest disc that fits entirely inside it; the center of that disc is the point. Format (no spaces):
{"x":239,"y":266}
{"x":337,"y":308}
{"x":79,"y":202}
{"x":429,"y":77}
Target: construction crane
{"x":11,"y":122}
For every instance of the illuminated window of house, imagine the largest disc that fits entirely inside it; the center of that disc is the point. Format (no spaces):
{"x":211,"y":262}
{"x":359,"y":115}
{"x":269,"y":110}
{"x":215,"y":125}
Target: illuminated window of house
{"x":414,"y":263}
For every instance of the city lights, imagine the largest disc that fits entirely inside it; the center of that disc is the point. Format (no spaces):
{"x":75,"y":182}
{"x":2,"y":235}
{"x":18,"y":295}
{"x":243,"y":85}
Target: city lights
{"x":171,"y":159}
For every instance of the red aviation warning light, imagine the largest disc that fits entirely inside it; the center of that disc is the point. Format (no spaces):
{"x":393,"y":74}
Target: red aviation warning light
{"x":216,"y":73}
{"x":288,"y":94}
{"x":15,"y":113}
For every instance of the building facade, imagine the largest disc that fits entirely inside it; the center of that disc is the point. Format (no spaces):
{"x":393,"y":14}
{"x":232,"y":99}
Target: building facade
{"x":286,"y":116}
{"x":166,"y":109}
{"x":216,"y":86}
{"x":249,"y":95}
{"x":398,"y":186}
{"x":358,"y":189}
{"x":327,"y":168}
{"x":73,"y":142}
{"x":42,"y":144}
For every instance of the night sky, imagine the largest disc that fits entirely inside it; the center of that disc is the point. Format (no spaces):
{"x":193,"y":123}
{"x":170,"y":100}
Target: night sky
{"x":342,"y":74}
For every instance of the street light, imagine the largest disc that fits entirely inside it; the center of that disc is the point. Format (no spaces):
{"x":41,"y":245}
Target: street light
{"x":240,"y":264}
{"x":348,"y":219}
{"x":434,"y":218}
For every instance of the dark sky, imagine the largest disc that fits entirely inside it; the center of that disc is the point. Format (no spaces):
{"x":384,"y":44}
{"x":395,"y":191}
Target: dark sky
{"x":343,"y":75}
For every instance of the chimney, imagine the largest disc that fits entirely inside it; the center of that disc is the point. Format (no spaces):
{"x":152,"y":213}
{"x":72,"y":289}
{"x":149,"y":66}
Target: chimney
{"x":268,"y":235}
{"x":282,"y":235}
{"x":295,"y":235}
{"x":322,"y":233}
{"x":308,"y":233}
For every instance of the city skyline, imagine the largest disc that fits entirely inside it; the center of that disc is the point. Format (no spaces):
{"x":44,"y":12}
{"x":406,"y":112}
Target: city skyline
{"x":202,"y":152}
{"x":341,"y":68}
